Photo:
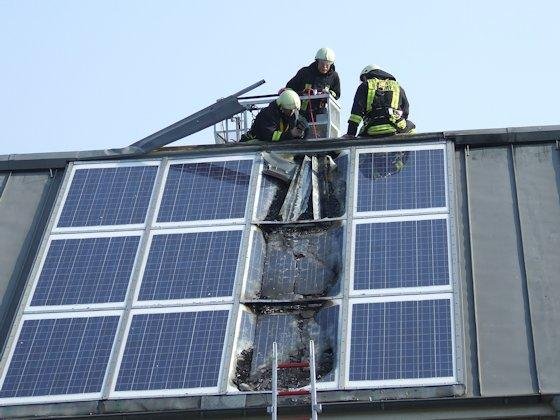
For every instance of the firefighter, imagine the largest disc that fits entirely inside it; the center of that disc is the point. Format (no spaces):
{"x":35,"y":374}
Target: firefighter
{"x":280,"y":120}
{"x":380,"y":104}
{"x":318,"y":77}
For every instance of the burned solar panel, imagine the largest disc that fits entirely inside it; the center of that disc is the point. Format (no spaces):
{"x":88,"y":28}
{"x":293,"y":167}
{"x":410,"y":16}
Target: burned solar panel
{"x":298,"y":262}
{"x":302,"y":187}
{"x":291,"y":327}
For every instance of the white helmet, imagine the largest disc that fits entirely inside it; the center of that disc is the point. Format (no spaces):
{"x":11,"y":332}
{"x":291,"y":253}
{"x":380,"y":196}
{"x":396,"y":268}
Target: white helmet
{"x":325,"y":54}
{"x":288,"y":99}
{"x":368,"y":68}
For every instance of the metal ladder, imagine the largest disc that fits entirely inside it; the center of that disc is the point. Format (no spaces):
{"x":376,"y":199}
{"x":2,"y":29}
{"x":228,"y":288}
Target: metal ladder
{"x":315,"y":408}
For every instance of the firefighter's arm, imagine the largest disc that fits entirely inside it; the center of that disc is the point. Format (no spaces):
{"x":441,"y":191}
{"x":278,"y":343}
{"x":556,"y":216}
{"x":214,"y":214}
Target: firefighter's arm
{"x":296,"y":83}
{"x":404,"y":105}
{"x":358,"y":109}
{"x":335,"y":88}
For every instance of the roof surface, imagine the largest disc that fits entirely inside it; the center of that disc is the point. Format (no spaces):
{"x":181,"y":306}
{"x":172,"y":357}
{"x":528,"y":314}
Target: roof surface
{"x":507,"y":199}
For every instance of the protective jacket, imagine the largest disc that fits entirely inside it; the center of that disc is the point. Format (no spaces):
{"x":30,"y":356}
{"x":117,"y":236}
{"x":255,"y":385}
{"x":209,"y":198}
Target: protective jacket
{"x":381,"y":103}
{"x":310,"y":78}
{"x":272,"y":125}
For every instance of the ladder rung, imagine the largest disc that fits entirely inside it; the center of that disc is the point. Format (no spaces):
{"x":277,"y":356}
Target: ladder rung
{"x":293,"y":365}
{"x":289,"y":392}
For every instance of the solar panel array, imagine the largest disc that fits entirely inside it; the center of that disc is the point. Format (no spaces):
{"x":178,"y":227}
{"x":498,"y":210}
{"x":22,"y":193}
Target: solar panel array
{"x":134,"y":289}
{"x":401,"y":328}
{"x":127,"y":296}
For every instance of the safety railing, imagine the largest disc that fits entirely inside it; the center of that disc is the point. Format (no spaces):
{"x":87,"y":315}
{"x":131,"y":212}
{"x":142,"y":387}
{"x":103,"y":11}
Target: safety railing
{"x":323,"y":124}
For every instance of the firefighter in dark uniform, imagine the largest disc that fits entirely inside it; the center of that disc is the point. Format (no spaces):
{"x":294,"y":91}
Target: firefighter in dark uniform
{"x":279,"y":120}
{"x":318,"y":77}
{"x":380,"y":104}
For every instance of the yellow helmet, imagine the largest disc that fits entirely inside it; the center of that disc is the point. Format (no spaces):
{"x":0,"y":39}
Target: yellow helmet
{"x":325,"y":54}
{"x":288,"y":99}
{"x":368,"y":68}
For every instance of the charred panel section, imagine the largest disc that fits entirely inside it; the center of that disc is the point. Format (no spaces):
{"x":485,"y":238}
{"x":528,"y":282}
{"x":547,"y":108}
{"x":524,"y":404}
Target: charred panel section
{"x":291,"y":327}
{"x":295,"y":262}
{"x":301,"y":187}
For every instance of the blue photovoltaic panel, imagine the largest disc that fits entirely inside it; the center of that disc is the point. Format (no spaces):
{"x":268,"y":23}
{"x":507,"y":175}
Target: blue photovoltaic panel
{"x":60,"y":356}
{"x":206,"y":191}
{"x":108,"y":196}
{"x":191,"y":265}
{"x":86,"y":270}
{"x":401,"y":340}
{"x":401,"y":254}
{"x":401,"y":180}
{"x":173,"y":351}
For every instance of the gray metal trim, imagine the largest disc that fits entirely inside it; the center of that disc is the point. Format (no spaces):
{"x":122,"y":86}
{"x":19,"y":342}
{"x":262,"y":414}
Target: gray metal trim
{"x":538,"y":190}
{"x":502,"y":136}
{"x":345,"y":328}
{"x":459,"y":325}
{"x":413,"y":403}
{"x":526,"y":301}
{"x":4,"y":181}
{"x":482,"y":138}
{"x":504,"y":365}
{"x":467,"y":280}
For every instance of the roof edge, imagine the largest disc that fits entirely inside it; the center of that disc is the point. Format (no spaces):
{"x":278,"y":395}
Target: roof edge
{"x":482,"y":137}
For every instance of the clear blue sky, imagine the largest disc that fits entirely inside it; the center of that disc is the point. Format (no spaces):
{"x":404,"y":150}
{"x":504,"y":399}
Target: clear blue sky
{"x":96,"y":74}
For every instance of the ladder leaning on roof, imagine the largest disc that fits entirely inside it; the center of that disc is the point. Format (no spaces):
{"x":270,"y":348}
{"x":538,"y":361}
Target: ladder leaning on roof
{"x":315,"y":408}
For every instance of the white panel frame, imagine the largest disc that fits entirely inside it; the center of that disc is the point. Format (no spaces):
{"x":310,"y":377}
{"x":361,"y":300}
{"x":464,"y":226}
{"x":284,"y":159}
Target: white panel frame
{"x":231,"y":389}
{"x":160,"y":393}
{"x":399,"y":212}
{"x":86,"y":306}
{"x":99,"y":228}
{"x":259,"y":161}
{"x":175,"y":302}
{"x":206,"y":222}
{"x":58,"y":397}
{"x":400,"y":290}
{"x":394,"y":383}
{"x":247,"y":261}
